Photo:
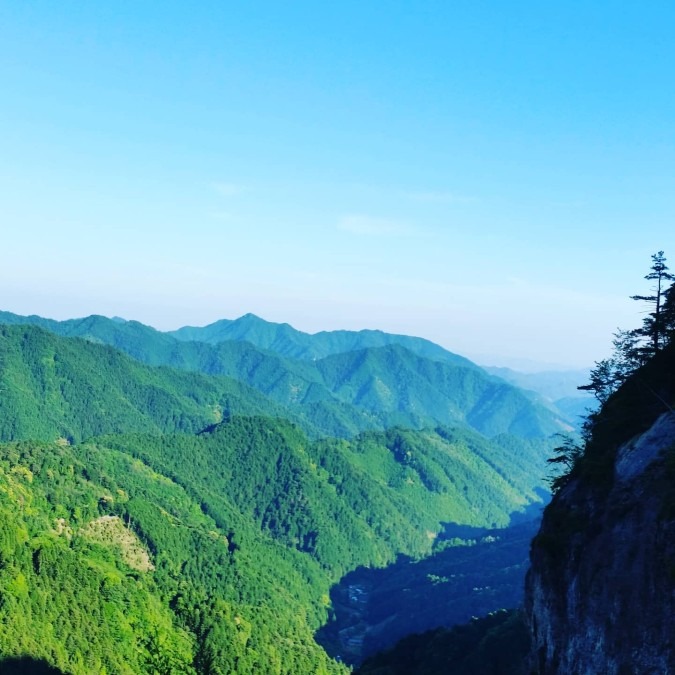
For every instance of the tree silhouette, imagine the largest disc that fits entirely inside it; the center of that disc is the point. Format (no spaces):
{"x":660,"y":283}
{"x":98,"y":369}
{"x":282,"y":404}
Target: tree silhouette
{"x":654,"y":328}
{"x":630,"y":352}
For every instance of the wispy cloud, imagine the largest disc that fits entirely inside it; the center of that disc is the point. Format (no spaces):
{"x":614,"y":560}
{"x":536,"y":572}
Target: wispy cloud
{"x":374,"y":227}
{"x":434,"y":197}
{"x":228,"y":189}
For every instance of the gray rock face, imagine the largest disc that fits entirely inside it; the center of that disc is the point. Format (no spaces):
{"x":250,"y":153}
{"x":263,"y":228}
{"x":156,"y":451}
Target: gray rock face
{"x":600,"y":596}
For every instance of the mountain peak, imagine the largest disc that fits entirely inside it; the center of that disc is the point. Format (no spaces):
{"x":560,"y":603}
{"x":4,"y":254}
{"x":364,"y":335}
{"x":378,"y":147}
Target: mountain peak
{"x":291,"y":342}
{"x":249,"y":316}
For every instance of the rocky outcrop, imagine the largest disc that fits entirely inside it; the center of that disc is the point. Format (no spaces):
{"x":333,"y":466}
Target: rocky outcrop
{"x":600,"y":595}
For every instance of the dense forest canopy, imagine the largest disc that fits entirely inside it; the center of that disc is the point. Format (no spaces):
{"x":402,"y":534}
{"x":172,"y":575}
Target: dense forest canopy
{"x":175,"y":520}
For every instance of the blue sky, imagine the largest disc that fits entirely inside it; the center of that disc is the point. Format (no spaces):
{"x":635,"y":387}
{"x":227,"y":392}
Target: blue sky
{"x":492,"y":176}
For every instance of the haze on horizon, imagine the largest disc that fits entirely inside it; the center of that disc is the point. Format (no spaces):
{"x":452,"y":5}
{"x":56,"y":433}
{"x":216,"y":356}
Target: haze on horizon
{"x":494,"y":179}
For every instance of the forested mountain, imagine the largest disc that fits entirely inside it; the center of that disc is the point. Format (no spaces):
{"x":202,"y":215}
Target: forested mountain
{"x":288,"y":341}
{"x":160,"y":520}
{"x":72,"y":389}
{"x":340,"y":395}
{"x":109,"y":566}
{"x":55,"y":387}
{"x":560,"y":388}
{"x":235,"y":536}
{"x":419,"y":390}
{"x":343,"y":502}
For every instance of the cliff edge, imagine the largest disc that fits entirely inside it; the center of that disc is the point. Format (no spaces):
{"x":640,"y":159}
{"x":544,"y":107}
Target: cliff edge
{"x":600,"y":594}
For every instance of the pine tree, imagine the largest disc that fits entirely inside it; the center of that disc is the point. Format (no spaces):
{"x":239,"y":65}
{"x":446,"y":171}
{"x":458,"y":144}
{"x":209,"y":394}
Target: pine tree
{"x":609,"y":374}
{"x":603,"y":380}
{"x":653,"y":328}
{"x":566,"y":456}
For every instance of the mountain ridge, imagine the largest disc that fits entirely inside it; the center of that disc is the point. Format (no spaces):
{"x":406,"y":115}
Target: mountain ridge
{"x":245,"y":520}
{"x":337,"y":394}
{"x":289,"y":341}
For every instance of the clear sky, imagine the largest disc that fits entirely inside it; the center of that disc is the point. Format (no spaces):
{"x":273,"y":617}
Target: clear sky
{"x":493,"y":176}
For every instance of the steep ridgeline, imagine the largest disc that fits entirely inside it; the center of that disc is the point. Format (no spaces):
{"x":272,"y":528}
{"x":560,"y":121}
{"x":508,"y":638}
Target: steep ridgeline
{"x":343,"y":394}
{"x":415,"y":391}
{"x":287,"y":341}
{"x":600,"y":595}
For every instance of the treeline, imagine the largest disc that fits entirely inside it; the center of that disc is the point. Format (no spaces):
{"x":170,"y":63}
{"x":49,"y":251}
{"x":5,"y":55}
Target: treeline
{"x":641,"y":358}
{"x":635,"y":347}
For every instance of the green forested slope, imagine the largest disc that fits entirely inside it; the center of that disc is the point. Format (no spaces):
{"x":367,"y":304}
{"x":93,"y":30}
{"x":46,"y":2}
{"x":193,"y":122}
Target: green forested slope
{"x":396,"y":381}
{"x":340,"y":395}
{"x":343,"y":502}
{"x":246,"y":526}
{"x":53,"y":387}
{"x":160,"y":531}
{"x":214,"y":601}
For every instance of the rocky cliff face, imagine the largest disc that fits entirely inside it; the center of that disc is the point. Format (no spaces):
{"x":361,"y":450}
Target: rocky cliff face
{"x":600,"y":596}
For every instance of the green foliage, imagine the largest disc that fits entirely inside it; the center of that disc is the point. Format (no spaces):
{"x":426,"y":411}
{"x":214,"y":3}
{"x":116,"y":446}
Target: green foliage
{"x":62,"y":598}
{"x":155,"y":529}
{"x":566,"y":457}
{"x":246,"y":527}
{"x":213,"y":602}
{"x":340,"y":395}
{"x":344,"y":502}
{"x":401,"y":388}
{"x":61,"y":388}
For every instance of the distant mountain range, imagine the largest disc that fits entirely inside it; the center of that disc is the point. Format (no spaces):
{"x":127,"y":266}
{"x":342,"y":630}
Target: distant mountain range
{"x":177,"y":505}
{"x":559,"y":388}
{"x":287,"y":341}
{"x":380,"y":380}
